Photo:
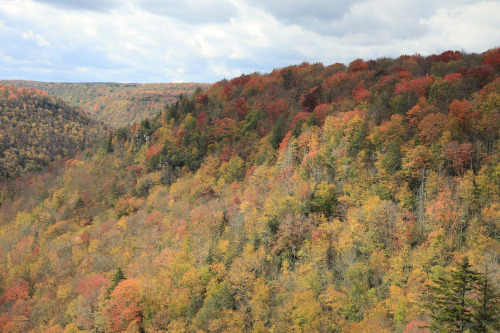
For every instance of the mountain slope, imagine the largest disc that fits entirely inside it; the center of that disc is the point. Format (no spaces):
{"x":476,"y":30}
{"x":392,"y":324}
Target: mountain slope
{"x":116,"y":104}
{"x":37,"y":129}
{"x":310,"y":199}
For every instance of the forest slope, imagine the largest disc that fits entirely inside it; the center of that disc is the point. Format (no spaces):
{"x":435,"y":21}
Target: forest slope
{"x":115,"y":104}
{"x":314,"y":199}
{"x":36,"y":129}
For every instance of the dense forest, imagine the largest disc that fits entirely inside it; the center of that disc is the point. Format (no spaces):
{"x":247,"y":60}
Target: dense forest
{"x":358,"y":198}
{"x":36,"y":129}
{"x":115,"y":104}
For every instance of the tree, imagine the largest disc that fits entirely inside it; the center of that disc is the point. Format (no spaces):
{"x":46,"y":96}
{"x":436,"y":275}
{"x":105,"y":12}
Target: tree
{"x":233,"y":170}
{"x":123,"y":308}
{"x":455,"y":303}
{"x":358,"y":65}
{"x":310,"y":100}
{"x":109,"y":144}
{"x":276,"y":108}
{"x":323,"y":200}
{"x":487,"y":311}
{"x":462,"y":111}
{"x":493,"y":59}
{"x":278,"y":132}
{"x":431,"y":127}
{"x":460,"y":155}
{"x":119,"y":277}
{"x":241,"y":108}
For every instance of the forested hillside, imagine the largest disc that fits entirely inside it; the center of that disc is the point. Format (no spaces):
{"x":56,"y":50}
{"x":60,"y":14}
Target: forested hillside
{"x":359,"y":198}
{"x":116,"y":104}
{"x":36,"y":129}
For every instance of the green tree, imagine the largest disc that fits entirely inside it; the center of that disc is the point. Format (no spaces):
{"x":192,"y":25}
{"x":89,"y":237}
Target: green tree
{"x":324,"y":200}
{"x":122,"y":134}
{"x":119,"y":277}
{"x":452,"y":302}
{"x":487,"y":312}
{"x":278,"y":132}
{"x":109,"y":144}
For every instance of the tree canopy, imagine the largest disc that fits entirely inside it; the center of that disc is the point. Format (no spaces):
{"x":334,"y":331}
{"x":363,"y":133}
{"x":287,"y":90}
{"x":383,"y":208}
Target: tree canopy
{"x":310,"y":199}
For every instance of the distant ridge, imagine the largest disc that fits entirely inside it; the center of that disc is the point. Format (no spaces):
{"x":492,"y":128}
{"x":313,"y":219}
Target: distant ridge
{"x":115,"y":104}
{"x":37,"y":129}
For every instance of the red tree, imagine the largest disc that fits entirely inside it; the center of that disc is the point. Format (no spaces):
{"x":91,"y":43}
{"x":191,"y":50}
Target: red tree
{"x":276,"y":108}
{"x":461,"y":110}
{"x":460,"y":155}
{"x":123,"y":307}
{"x":310,"y":100}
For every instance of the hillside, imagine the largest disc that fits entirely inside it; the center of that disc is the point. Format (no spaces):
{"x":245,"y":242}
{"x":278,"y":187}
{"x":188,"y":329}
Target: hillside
{"x":311,"y":199}
{"x":116,"y":104}
{"x":37,"y":129}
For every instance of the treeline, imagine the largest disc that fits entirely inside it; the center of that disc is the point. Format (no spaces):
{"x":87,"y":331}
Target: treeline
{"x":359,"y":198}
{"x":115,"y":104}
{"x":36,"y":129}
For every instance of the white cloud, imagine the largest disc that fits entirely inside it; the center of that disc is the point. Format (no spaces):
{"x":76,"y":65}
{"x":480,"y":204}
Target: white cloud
{"x":193,"y":11}
{"x":238,"y":52}
{"x":305,"y":12}
{"x":224,"y":72}
{"x":30,"y":35}
{"x":164,"y":41}
{"x":471,"y":27}
{"x":93,"y":5}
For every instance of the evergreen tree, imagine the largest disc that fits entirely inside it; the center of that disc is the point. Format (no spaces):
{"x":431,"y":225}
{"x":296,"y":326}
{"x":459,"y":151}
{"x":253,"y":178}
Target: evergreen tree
{"x":109,"y":144}
{"x":119,"y":277}
{"x":278,"y":132}
{"x":486,"y":313}
{"x":463,"y":302}
{"x":452,"y":303}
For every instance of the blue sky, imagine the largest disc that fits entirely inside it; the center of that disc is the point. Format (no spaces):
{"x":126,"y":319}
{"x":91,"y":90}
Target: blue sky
{"x":208,"y":40}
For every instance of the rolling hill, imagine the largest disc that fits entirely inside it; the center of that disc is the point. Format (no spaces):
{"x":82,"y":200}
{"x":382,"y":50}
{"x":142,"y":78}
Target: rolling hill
{"x":115,"y":104}
{"x":340,"y":198}
{"x":37,"y":129}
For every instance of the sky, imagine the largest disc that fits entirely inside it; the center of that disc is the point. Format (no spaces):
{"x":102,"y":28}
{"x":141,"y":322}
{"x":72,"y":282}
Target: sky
{"x":208,"y":40}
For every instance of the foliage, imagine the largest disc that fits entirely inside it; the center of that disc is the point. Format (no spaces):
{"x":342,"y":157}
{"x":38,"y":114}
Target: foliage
{"x":36,"y":130}
{"x":115,"y":104}
{"x":313,"y":198}
{"x":463,"y":301}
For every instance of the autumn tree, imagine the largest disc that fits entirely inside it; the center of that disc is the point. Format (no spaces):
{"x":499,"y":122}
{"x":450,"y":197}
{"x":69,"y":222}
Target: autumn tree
{"x":123,"y":309}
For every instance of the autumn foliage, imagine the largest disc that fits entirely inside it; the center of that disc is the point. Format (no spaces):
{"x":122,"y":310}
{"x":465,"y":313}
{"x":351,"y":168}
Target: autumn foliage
{"x":115,"y":104}
{"x":310,"y":199}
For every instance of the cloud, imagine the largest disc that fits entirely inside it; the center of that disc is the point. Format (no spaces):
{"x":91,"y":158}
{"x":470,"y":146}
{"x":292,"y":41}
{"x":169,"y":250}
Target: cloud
{"x":376,"y":20}
{"x":304,"y":12}
{"x":192,"y":11}
{"x":40,"y":41}
{"x":471,"y":27}
{"x":205,"y":41}
{"x":93,"y":5}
